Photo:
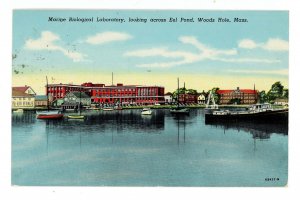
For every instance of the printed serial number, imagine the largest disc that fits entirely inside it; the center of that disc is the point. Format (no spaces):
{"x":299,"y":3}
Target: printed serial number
{"x":271,"y":179}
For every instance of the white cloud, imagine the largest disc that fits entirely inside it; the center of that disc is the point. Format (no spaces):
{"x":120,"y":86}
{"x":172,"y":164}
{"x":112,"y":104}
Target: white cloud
{"x":185,"y":57}
{"x":247,"y":44}
{"x":107,"y":37}
{"x":249,"y":60}
{"x":276,"y":44}
{"x":44,"y":42}
{"x":47,"y":42}
{"x":265,"y":72}
{"x":273,"y":44}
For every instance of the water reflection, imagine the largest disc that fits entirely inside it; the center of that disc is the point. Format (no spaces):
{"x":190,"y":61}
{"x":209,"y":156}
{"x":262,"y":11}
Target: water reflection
{"x":23,"y":118}
{"x":181,"y":121}
{"x":117,"y":120}
{"x":257,"y":130}
{"x":124,"y":148}
{"x":133,"y":121}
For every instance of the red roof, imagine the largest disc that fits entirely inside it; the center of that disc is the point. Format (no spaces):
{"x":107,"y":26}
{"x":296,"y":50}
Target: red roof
{"x":224,"y":91}
{"x":247,"y":91}
{"x":21,"y":89}
{"x":18,"y":93}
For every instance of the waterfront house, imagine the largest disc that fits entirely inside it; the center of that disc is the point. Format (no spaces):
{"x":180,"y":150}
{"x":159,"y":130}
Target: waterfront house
{"x":21,"y":99}
{"x":25,"y":89}
{"x":73,"y":99}
{"x":201,"y":99}
{"x":281,"y":101}
{"x":169,"y":98}
{"x":41,"y":100}
{"x":238,"y":96}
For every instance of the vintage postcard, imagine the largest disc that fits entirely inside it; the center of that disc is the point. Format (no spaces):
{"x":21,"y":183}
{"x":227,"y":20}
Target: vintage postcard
{"x":150,"y":98}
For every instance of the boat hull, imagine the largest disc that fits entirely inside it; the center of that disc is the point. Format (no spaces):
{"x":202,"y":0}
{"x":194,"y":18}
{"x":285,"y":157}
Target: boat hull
{"x":184,"y":111}
{"x":19,"y":111}
{"x":266,"y":116}
{"x":76,"y":116}
{"x":51,"y":116}
{"x":146,"y":112}
{"x":107,"y":109}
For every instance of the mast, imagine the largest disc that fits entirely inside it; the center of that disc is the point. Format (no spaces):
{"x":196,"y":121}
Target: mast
{"x":47,"y":93}
{"x":112,"y":78}
{"x":184,"y":92}
{"x":255,"y":95}
{"x":80,"y":101}
{"x":178,"y":92}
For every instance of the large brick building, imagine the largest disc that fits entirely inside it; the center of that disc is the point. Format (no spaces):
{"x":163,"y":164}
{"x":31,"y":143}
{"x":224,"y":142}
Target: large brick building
{"x":122,"y":94}
{"x":187,"y":98}
{"x":238,"y":96}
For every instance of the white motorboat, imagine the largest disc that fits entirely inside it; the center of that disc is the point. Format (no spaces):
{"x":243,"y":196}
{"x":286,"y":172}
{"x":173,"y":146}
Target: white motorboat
{"x":146,"y":111}
{"x":18,"y":111}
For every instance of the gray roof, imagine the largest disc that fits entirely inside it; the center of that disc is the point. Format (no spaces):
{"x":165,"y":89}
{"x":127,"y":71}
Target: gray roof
{"x":40,"y":97}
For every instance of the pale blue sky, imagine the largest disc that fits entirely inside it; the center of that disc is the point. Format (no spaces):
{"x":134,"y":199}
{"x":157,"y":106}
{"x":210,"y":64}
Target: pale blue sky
{"x":255,"y":52}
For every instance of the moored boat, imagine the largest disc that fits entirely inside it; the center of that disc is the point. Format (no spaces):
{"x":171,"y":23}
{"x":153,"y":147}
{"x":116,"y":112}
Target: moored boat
{"x":209,"y":108}
{"x":118,"y":108}
{"x":49,"y":114}
{"x":76,"y":116}
{"x":179,"y":109}
{"x":256,"y":112}
{"x":108,"y":109}
{"x":146,"y":111}
{"x":18,"y":111}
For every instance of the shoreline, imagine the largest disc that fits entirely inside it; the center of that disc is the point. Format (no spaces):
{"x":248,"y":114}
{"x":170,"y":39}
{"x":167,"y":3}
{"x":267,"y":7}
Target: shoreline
{"x":141,"y":107}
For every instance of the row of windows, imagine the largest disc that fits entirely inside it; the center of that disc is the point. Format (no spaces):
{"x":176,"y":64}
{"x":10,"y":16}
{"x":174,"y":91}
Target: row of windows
{"x":23,"y":98}
{"x":115,"y":95}
{"x":25,"y":103}
{"x":55,"y":88}
{"x":115,"y":90}
{"x":56,"y":94}
{"x":229,"y":98}
{"x":236,"y":95}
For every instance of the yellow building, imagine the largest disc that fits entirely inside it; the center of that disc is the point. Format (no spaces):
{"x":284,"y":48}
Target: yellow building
{"x":21,"y":99}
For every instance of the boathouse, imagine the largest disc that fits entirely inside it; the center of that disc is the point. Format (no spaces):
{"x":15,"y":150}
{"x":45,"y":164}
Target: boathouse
{"x":73,"y":100}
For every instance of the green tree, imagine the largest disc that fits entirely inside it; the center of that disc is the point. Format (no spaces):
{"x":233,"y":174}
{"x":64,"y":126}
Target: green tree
{"x":276,"y":91}
{"x":191,"y":91}
{"x":285,"y":93}
{"x":183,"y":91}
{"x":263,"y":97}
{"x":176,"y":92}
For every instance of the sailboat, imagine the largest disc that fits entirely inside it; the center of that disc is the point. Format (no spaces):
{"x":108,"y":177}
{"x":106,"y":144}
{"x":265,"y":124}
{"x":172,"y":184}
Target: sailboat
{"x":49,"y":114}
{"x":78,"y":116}
{"x":211,"y":107}
{"x":179,"y":109}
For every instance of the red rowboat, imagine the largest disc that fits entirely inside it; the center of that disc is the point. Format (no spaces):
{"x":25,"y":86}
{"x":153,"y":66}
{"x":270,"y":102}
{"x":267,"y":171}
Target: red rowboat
{"x":52,"y":116}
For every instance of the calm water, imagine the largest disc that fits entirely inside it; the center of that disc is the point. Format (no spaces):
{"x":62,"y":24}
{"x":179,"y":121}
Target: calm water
{"x":123,"y":148}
